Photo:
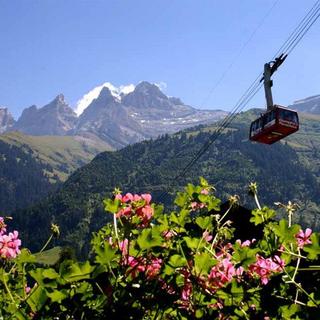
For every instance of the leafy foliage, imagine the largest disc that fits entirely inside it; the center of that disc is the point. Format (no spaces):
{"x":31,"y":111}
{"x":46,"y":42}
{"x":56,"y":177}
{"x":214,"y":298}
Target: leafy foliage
{"x":186,"y":264}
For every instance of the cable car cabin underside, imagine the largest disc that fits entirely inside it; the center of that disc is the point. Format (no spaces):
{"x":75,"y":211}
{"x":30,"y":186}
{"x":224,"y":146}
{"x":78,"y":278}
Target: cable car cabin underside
{"x":274,"y":125}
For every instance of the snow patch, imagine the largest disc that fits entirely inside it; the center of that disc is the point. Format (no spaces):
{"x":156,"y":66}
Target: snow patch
{"x":85,"y":101}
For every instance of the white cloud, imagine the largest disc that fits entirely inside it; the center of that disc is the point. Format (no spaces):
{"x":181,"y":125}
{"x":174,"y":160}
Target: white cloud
{"x":161,"y":85}
{"x":85,"y":101}
{"x":127,"y":89}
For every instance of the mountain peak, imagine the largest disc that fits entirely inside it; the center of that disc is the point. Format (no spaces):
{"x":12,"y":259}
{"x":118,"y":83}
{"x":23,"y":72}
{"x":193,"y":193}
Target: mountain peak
{"x":117,"y":92}
{"x":55,"y":118}
{"x":147,"y":88}
{"x":59,"y":99}
{"x":308,"y":105}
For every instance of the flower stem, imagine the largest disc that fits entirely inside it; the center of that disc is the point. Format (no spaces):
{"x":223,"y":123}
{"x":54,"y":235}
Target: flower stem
{"x":47,"y":243}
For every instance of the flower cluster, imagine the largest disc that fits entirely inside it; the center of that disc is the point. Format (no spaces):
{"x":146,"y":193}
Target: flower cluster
{"x":151,"y":266}
{"x":9,"y":243}
{"x":224,"y":271}
{"x":135,"y":205}
{"x":195,"y":205}
{"x":265,"y":267}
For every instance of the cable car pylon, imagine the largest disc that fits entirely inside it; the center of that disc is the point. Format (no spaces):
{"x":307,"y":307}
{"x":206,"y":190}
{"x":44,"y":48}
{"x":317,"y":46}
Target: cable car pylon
{"x":277,"y":122}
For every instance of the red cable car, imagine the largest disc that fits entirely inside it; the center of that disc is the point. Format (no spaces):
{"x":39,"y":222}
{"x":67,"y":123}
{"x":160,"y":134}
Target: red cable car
{"x":277,"y":122}
{"x":274,"y":125}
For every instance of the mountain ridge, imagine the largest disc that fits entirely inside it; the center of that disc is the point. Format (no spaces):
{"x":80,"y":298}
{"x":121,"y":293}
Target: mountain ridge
{"x":117,"y":116}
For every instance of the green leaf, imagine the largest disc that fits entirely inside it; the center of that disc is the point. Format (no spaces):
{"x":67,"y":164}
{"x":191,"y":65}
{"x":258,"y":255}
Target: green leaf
{"x":192,"y":243}
{"x":49,"y":257}
{"x":191,"y":189}
{"x":43,"y":277}
{"x":149,"y":238}
{"x":25,"y":257}
{"x":177,"y":261}
{"x":181,"y":199}
{"x":204,"y":198}
{"x":204,"y":222}
{"x":244,"y":255}
{"x":181,"y":218}
{"x":203,"y":263}
{"x":111,"y":205}
{"x":50,"y":274}
{"x":237,"y":290}
{"x":203,"y":182}
{"x":37,"y":298}
{"x":74,"y":271}
{"x":214,"y":204}
{"x":57,"y":296}
{"x":285,"y":233}
{"x":262,"y":216}
{"x":105,"y":254}
{"x":288,"y":311}
{"x":313,"y":249}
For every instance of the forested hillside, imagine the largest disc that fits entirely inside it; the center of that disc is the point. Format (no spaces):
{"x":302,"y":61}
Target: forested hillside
{"x":31,"y":167}
{"x":230,"y":164}
{"x":22,"y":178}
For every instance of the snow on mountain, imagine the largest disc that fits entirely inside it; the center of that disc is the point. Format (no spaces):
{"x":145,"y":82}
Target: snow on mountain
{"x":117,"y":92}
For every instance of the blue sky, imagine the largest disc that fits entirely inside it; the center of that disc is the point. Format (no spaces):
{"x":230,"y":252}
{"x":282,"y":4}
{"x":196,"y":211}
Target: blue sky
{"x":71,"y":46}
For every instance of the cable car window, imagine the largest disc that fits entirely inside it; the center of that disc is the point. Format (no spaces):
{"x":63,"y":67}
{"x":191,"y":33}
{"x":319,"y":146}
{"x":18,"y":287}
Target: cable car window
{"x":289,"y":116}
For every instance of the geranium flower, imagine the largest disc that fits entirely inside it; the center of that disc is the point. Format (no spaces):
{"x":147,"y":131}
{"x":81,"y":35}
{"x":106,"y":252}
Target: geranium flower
{"x":303,"y":238}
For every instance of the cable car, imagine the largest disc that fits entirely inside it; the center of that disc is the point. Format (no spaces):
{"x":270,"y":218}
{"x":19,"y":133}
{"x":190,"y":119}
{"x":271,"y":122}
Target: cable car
{"x":275,"y":124}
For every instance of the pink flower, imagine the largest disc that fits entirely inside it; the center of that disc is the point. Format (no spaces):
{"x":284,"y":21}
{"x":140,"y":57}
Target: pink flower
{"x":207,"y":236}
{"x":128,"y":197}
{"x":123,"y":246}
{"x":246,"y":243}
{"x":136,"y":197}
{"x":118,"y":197}
{"x":265,"y":267}
{"x":222,"y":273}
{"x":154,"y":268}
{"x":146,"y":197}
{"x":9,"y":245}
{"x":137,"y":265}
{"x":145,"y":213}
{"x":204,"y":191}
{"x":186,"y":291}
{"x":126,"y":211}
{"x":303,"y":238}
{"x":196,"y":205}
{"x":168,"y":234}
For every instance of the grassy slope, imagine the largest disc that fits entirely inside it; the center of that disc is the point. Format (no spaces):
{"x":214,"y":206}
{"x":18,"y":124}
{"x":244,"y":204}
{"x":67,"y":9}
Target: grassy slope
{"x":63,"y":153}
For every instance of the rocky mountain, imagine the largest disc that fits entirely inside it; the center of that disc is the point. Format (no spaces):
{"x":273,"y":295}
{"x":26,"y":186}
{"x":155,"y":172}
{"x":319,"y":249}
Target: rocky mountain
{"x":308,"y":105}
{"x":144,"y":113}
{"x":118,"y":117}
{"x":56,"y":118}
{"x":6,"y":120}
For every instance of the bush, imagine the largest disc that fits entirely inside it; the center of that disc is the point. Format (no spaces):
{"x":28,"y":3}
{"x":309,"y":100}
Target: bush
{"x":180,"y":265}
